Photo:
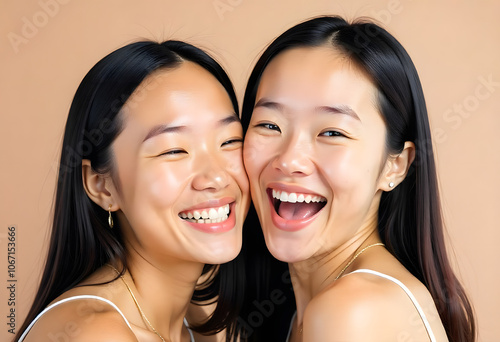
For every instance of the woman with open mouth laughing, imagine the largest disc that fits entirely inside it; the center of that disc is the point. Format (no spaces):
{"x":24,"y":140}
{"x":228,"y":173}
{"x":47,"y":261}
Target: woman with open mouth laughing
{"x":339,"y":157}
{"x":151,"y":195}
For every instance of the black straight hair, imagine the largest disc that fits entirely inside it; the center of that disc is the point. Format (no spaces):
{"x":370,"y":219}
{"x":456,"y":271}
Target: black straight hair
{"x":81,"y":241}
{"x":409,"y":218}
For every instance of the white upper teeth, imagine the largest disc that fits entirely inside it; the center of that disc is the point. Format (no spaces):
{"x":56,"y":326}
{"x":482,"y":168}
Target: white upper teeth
{"x":211,"y":215}
{"x":293,"y":197}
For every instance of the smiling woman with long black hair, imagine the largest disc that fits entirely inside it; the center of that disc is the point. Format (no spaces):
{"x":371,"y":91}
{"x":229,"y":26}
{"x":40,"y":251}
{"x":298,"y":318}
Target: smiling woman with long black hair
{"x":339,"y":156}
{"x":151,"y":195}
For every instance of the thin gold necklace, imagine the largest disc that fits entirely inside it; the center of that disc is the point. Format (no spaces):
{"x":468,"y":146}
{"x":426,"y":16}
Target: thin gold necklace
{"x":137,"y":304}
{"x":354,"y":258}
{"x":347,"y":266}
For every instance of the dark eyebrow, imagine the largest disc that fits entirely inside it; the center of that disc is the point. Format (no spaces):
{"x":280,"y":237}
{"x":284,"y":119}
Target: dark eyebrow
{"x":263,"y":102}
{"x":229,"y":119}
{"x":340,"y":109}
{"x":165,"y":128}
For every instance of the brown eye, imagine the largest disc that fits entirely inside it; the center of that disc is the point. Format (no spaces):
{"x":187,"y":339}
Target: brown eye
{"x":270,"y":126}
{"x":332,"y":134}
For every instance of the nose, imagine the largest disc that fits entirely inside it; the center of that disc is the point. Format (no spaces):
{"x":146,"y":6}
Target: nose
{"x":211,"y":175}
{"x":294,"y":158}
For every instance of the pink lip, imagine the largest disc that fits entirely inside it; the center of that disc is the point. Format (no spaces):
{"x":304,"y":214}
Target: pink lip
{"x":219,"y":227}
{"x":213,"y":203}
{"x":281,"y":223}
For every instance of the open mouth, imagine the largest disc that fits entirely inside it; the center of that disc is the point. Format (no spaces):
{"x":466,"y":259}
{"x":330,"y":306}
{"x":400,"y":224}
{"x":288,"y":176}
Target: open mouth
{"x":296,"y":206}
{"x":209,"y":215}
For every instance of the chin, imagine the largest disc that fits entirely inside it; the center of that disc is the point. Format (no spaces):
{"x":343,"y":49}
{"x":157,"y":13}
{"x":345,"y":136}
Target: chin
{"x":285,"y":249}
{"x":222,"y":253}
{"x":221,"y":258}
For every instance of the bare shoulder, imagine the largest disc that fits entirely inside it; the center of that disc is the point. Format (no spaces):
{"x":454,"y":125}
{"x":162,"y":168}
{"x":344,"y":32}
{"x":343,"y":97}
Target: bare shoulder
{"x":362,"y":307}
{"x":81,"y":320}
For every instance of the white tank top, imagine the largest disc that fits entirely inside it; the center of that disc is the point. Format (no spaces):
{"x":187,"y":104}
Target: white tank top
{"x":405,"y":289}
{"x":23,"y":336}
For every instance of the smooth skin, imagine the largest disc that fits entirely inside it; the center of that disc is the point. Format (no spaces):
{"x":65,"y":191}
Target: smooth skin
{"x":316,"y":117}
{"x":180,"y":151}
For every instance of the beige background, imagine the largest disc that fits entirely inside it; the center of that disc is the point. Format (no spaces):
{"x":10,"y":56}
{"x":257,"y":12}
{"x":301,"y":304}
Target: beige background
{"x":48,"y":45}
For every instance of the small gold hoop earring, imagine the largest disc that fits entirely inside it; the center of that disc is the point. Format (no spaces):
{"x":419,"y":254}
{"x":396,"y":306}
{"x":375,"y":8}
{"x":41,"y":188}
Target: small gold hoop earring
{"x":110,"y":218}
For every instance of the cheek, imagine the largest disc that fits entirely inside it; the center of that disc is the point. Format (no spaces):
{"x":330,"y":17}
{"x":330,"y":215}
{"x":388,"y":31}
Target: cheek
{"x":254,"y":155}
{"x":234,"y":166}
{"x":162,"y":185}
{"x":346,"y":168}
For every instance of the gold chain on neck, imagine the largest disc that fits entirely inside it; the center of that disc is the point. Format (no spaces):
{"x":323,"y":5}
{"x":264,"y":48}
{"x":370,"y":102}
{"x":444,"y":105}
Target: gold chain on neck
{"x":137,"y":304}
{"x":354,"y":258}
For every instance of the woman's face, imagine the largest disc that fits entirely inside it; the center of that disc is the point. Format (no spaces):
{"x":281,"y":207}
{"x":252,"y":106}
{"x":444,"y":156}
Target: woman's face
{"x":183,"y":191}
{"x":314,"y":153}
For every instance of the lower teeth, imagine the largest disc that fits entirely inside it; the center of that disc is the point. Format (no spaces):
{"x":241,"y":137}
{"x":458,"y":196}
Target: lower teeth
{"x":220,"y":219}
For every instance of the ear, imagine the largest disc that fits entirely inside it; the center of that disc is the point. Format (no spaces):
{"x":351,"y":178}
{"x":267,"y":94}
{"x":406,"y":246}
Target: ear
{"x":99,"y":188}
{"x":397,"y":167}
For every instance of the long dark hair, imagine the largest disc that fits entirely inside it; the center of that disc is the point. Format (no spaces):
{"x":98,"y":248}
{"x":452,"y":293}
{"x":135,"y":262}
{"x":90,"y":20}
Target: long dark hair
{"x":410,"y":221}
{"x":81,"y":242}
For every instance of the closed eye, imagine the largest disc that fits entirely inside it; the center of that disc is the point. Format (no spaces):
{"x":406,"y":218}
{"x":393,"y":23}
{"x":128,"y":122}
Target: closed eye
{"x":232,"y":141}
{"x":172,"y":152}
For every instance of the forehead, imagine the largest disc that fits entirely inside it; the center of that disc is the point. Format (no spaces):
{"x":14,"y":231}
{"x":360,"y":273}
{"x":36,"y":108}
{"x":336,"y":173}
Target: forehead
{"x":178,"y":93}
{"x":315,"y":76}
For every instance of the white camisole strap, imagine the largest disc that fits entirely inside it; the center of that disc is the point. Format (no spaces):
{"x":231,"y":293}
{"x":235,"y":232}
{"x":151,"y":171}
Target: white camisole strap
{"x":67,"y":300}
{"x":189,"y":330}
{"x":405,"y":289}
{"x":410,"y":295}
{"x":291,"y":326}
{"x":23,"y":336}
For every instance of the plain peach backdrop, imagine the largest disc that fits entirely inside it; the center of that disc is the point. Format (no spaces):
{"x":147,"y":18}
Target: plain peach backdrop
{"x":47,"y":46}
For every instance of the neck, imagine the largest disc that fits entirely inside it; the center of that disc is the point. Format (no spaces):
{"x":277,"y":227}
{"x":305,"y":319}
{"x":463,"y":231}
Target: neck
{"x":163,"y":291}
{"x":315,"y":274}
